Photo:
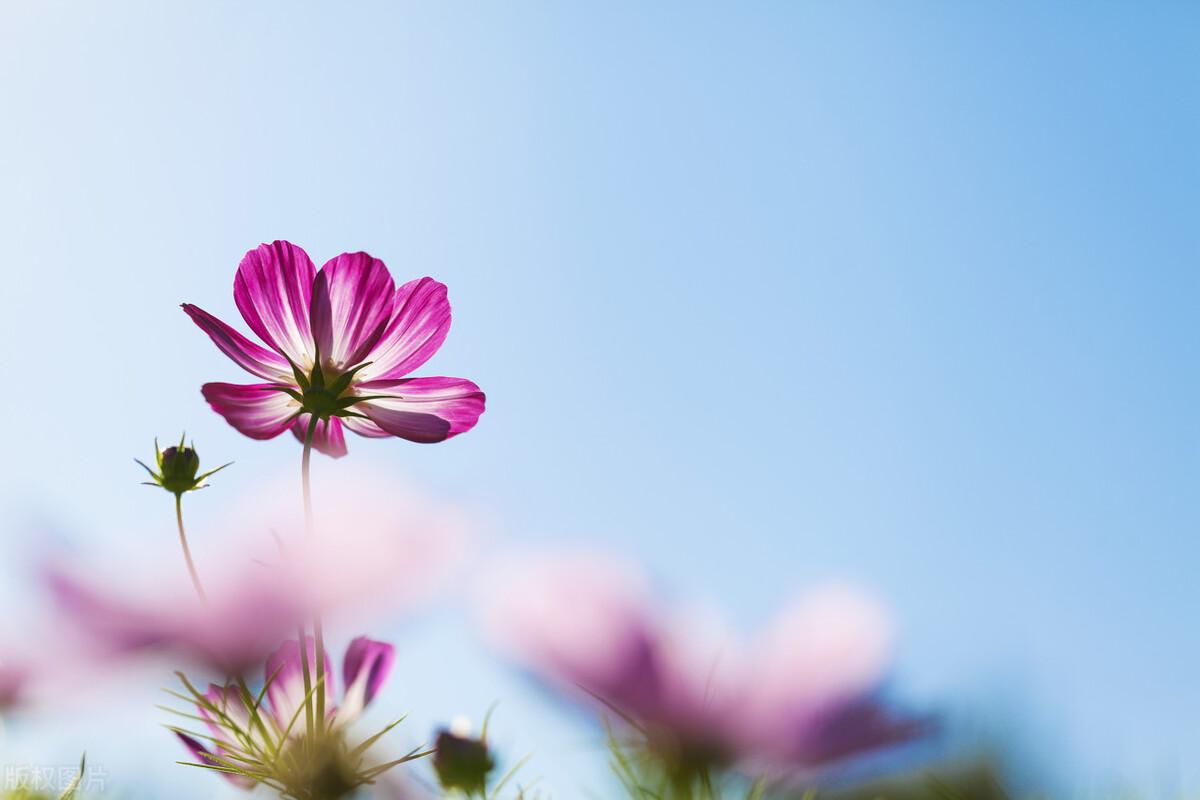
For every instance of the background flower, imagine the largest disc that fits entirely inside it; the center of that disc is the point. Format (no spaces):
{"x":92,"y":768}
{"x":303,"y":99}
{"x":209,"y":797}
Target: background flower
{"x":801,"y":698}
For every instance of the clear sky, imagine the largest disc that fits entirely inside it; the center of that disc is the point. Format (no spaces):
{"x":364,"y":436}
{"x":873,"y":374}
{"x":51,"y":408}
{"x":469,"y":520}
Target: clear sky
{"x":759,"y":292}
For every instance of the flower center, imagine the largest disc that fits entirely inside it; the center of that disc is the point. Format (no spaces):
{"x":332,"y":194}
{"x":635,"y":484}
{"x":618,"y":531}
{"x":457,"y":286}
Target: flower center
{"x":325,"y":393}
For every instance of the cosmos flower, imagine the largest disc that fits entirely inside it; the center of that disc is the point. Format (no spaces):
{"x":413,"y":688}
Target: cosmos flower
{"x":802,"y":698}
{"x":384,"y":549}
{"x":231,"y":632}
{"x":12,"y":683}
{"x":247,"y":738}
{"x":342,"y":341}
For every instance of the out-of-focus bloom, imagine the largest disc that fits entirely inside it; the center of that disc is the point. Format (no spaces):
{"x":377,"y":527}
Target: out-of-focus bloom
{"x":245,"y":740}
{"x":462,"y":762}
{"x":177,"y":469}
{"x":12,"y":684}
{"x":367,"y":559}
{"x":230,"y":633}
{"x":801,"y":699}
{"x":342,"y":341}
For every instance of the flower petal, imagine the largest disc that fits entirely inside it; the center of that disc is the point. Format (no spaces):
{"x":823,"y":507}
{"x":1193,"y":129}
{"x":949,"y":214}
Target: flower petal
{"x":327,"y":438}
{"x":233,"y":716}
{"x":285,"y":678}
{"x":417,"y":329}
{"x":257,"y":410}
{"x":365,"y":669}
{"x":246,"y":354}
{"x":351,"y":305}
{"x":203,"y":756}
{"x":273,"y":290}
{"x":364,"y":427}
{"x":423,"y":409}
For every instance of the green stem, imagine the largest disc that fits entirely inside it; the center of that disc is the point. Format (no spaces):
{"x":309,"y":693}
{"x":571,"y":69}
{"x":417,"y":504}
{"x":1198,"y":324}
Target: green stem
{"x":302,"y":641}
{"x":187,"y":553}
{"x":318,"y":629}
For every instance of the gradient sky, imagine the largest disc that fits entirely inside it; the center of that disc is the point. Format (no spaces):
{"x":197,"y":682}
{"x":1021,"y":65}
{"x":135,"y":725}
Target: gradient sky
{"x":761,"y":293}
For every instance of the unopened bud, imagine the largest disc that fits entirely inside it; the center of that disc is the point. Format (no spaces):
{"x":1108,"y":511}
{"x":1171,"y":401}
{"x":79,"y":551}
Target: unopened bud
{"x":177,"y":468}
{"x":462,"y":763}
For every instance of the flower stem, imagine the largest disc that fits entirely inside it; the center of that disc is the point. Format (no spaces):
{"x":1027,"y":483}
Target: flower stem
{"x":187,"y":553}
{"x":318,"y":629}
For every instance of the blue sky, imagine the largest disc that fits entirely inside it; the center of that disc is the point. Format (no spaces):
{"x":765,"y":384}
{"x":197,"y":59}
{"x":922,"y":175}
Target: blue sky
{"x":761,"y":293}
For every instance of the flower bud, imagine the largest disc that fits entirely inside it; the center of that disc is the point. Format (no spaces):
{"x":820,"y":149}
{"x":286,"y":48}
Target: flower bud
{"x":177,"y":468}
{"x":462,"y":763}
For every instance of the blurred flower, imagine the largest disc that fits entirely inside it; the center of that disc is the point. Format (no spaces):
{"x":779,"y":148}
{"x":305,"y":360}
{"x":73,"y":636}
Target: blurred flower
{"x":229,"y":633}
{"x":342,"y":341}
{"x":367,"y":559}
{"x":462,"y":762}
{"x":177,"y":468}
{"x":250,"y":741}
{"x":12,"y":684}
{"x":802,"y":698}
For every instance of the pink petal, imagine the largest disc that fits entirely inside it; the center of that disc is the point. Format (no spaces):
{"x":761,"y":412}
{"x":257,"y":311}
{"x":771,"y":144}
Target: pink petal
{"x":285,"y":675}
{"x":236,"y":716}
{"x":327,"y":438}
{"x":583,"y":621}
{"x":203,"y":756}
{"x":259,"y":410}
{"x":364,"y":427}
{"x":423,"y":409}
{"x":273,"y":290}
{"x":417,"y":329}
{"x":365,"y":669}
{"x":351,"y":305}
{"x":246,"y":354}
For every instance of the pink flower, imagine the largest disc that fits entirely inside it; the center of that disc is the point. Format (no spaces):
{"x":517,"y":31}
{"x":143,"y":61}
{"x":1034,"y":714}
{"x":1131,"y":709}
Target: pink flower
{"x":369,"y":559}
{"x":12,"y":684}
{"x":233,"y":631}
{"x":342,"y":341}
{"x":801,"y":698}
{"x":239,"y":739}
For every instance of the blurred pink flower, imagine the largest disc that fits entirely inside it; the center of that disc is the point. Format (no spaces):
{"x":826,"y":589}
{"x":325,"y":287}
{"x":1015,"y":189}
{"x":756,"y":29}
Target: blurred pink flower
{"x":234,"y":630}
{"x":13,"y":679}
{"x":342,"y":341}
{"x":801,"y":698}
{"x":365,"y":668}
{"x":366,"y":559}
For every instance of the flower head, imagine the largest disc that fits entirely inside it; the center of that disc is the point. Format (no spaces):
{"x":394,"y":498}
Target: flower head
{"x":262,"y":739}
{"x":802,"y":698}
{"x":177,"y":468}
{"x":342,"y":341}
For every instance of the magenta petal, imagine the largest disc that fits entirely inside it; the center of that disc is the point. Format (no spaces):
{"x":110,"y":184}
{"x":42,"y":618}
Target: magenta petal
{"x":253,"y":358}
{"x":364,"y":427}
{"x":285,"y":676}
{"x":351,"y":305}
{"x":273,"y":289}
{"x":203,"y":756}
{"x":417,"y":329}
{"x":228,"y":699}
{"x":423,"y":409}
{"x":365,"y":669}
{"x":327,"y":438}
{"x":260,"y":410}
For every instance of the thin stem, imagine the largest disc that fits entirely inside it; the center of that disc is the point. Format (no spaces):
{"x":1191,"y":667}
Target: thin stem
{"x":187,"y":553}
{"x":306,"y":483}
{"x":308,"y":709}
{"x":318,"y":629}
